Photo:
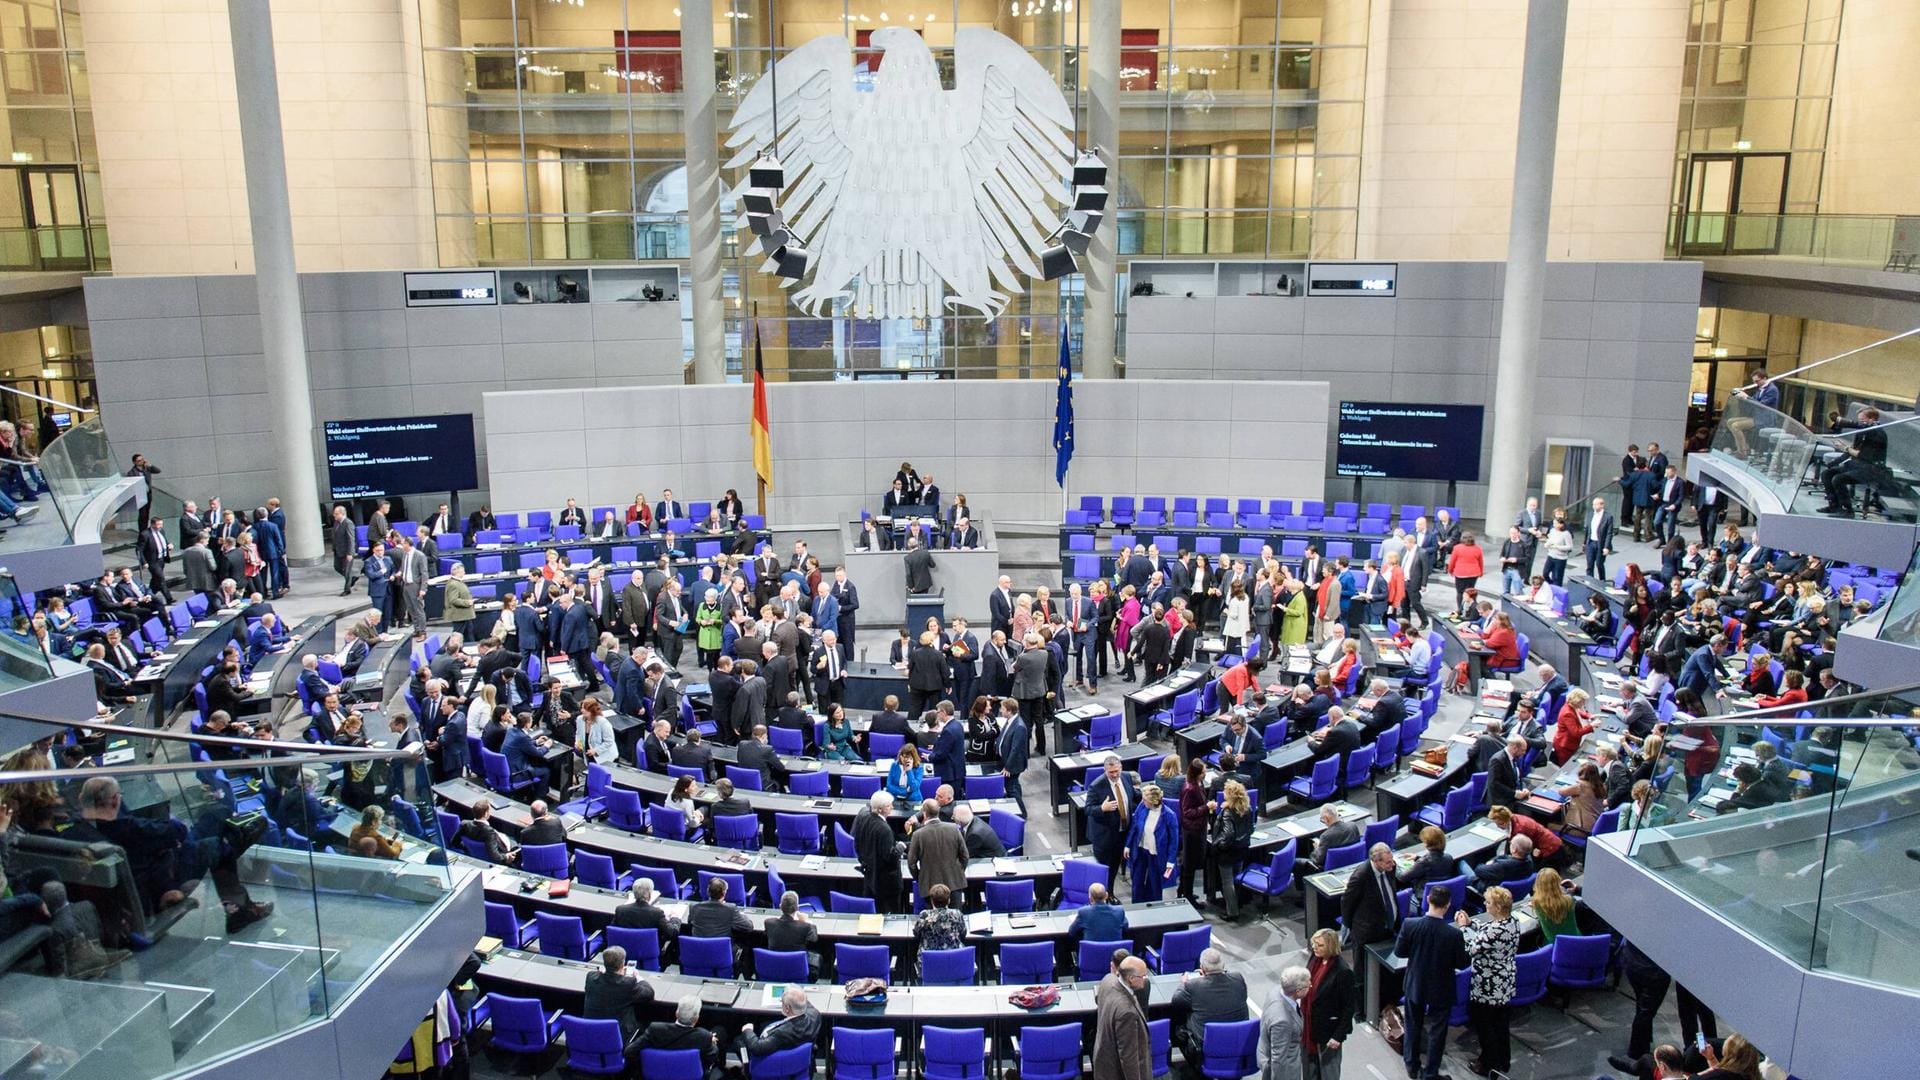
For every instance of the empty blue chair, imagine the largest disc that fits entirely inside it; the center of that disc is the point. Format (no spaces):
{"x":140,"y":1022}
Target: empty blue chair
{"x":1122,"y":510}
{"x":663,"y":880}
{"x":643,"y":946}
{"x":843,"y":842}
{"x":594,"y":1047}
{"x":797,"y":834}
{"x":847,"y":903}
{"x":1359,"y":767}
{"x":1007,"y":897}
{"x":707,"y":957}
{"x":882,"y":746}
{"x":1379,"y":832}
{"x":1096,"y":958}
{"x":1579,"y":961}
{"x":859,"y":787}
{"x":520,"y":1025}
{"x":862,"y":962}
{"x":671,"y":1064}
{"x":1530,"y":976}
{"x":859,"y":1053}
{"x":1010,"y":827}
{"x":737,"y":831}
{"x":1319,"y":786}
{"x":1462,"y":986}
{"x":1086,"y":567}
{"x":745,"y":779}
{"x":947,"y":967}
{"x":1160,"y":1046}
{"x":1103,"y":732}
{"x":780,"y":966}
{"x":1080,"y":542}
{"x":1274,"y":878}
{"x":1386,"y":750}
{"x":548,"y":859}
{"x":1180,"y":950}
{"x":1347,"y":854}
{"x":954,"y":1053}
{"x":1026,"y":963}
{"x":1456,"y":888}
{"x":1077,"y":876}
{"x":564,"y":936}
{"x":990,"y":786}
{"x":1228,"y":1050}
{"x":502,"y":923}
{"x":789,"y":741}
{"x":1051,"y":1052}
{"x":793,"y":1063}
{"x":1451,"y":813}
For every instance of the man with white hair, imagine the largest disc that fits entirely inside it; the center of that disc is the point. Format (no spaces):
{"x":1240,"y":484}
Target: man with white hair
{"x":644,"y":914}
{"x":1515,"y":865}
{"x":684,"y":1033}
{"x":1279,"y":1050}
{"x":799,"y":1025}
{"x":1212,"y":995}
{"x":877,"y":852}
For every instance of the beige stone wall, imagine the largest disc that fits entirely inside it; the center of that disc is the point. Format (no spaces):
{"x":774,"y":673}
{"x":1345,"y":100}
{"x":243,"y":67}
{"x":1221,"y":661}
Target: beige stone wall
{"x":1442,"y":110}
{"x":351,"y":93}
{"x":1873,"y":139}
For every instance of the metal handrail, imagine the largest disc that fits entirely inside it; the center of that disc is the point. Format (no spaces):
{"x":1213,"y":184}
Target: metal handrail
{"x":48,"y":400}
{"x":1752,"y":716}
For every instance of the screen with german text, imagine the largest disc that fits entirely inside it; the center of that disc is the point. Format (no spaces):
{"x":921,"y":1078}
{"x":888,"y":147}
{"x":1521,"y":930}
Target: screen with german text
{"x":401,"y":455}
{"x":1408,"y":441}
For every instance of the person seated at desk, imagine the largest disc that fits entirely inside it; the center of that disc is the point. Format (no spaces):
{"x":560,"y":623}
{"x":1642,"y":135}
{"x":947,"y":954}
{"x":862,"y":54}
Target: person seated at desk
{"x":1431,"y":865}
{"x":906,"y":773}
{"x":1586,"y":799}
{"x":614,"y":993}
{"x":226,"y":690}
{"x":1341,"y":736}
{"x":730,"y":803}
{"x":684,"y":798}
{"x":794,"y":718}
{"x":543,"y":827}
{"x":1574,"y":725}
{"x":219,"y":723}
{"x":1637,"y":710}
{"x":872,"y":537}
{"x":479,"y":828}
{"x":388,"y":846}
{"x":1489,"y":744}
{"x":641,"y":913}
{"x":1100,"y":919}
{"x":1241,"y":744}
{"x":982,"y":841}
{"x":1304,"y":709}
{"x":1389,"y":709}
{"x":1211,"y":995}
{"x":715,"y":917}
{"x":799,"y":1025}
{"x":526,"y":752}
{"x":1515,"y":865}
{"x":684,"y":1033}
{"x":694,"y":753}
{"x":754,"y":753}
{"x":1554,"y":906}
{"x":655,"y":749}
{"x":840,"y":739}
{"x":790,"y":931}
{"x":493,"y":733}
{"x":1598,"y":622}
{"x":111,"y":685}
{"x":610,"y":528}
{"x":895,"y":498}
{"x":964,"y":536}
{"x":139,"y":597}
{"x":1335,"y":832}
{"x":266,"y":638}
{"x":940,"y":925}
{"x":301,"y":810}
{"x":163,"y":855}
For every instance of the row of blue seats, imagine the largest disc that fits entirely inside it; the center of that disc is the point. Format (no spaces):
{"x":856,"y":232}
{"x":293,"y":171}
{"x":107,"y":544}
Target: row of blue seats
{"x":1222,"y":513}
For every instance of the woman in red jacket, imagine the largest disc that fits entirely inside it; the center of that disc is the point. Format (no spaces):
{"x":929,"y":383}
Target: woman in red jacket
{"x":1466,"y":564}
{"x":1574,"y":725}
{"x":1503,"y":642}
{"x":1794,"y":694}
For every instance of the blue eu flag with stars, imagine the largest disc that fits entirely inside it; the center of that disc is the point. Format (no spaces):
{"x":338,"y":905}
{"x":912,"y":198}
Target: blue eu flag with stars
{"x":1063,"y":413}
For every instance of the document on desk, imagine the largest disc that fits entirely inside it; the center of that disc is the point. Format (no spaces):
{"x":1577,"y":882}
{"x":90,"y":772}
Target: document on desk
{"x":980,"y":922}
{"x":676,"y":912}
{"x":1294,"y":828}
{"x":204,"y":624}
{"x":871,"y":925}
{"x":1004,"y":868}
{"x":1487,"y":830}
{"x":813,"y":862}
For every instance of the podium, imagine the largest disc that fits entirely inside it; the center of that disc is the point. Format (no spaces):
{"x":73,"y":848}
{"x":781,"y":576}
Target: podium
{"x":922,"y":606}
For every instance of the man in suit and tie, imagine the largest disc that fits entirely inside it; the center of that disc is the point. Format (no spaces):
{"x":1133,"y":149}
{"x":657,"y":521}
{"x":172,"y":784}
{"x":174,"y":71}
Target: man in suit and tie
{"x":919,"y":568}
{"x":667,"y":509}
{"x":965,"y":536}
{"x":847,"y":596}
{"x":663,"y":691}
{"x":1000,"y":605}
{"x":1241,"y":745}
{"x":571,"y":514}
{"x":1702,"y":672}
{"x":670,"y":622}
{"x":1369,"y":594}
{"x":111,"y":685}
{"x":829,"y":673}
{"x":1369,"y":906}
{"x":602,"y":604}
{"x":962,"y":650}
{"x":191,"y":523}
{"x":1709,"y":503}
{"x":643,"y":914}
{"x":576,"y":639}
{"x":1013,"y":750}
{"x":1505,"y":786}
{"x":1110,"y":802}
{"x":1599,"y":539}
{"x":655,"y":752}
{"x":1154,"y":641}
{"x":343,"y":544}
{"x":154,"y":552}
{"x":1434,"y":949}
{"x":439,"y":522}
{"x":410,"y":572}
{"x":949,"y":753}
{"x":766,"y":577}
{"x":1078,"y":614}
{"x":1534,"y":528}
{"x":1668,"y":498}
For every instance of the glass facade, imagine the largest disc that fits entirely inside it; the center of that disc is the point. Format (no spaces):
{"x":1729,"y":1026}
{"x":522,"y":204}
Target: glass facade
{"x":52,"y":216}
{"x":557,"y":136}
{"x":1757,"y":86}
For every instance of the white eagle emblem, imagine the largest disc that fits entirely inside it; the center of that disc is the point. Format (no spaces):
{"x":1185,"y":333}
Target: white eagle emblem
{"x":913,"y":197}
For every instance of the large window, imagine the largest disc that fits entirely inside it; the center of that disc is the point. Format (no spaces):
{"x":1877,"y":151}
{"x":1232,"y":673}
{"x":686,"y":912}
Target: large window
{"x":557,"y":136}
{"x":51,"y":214}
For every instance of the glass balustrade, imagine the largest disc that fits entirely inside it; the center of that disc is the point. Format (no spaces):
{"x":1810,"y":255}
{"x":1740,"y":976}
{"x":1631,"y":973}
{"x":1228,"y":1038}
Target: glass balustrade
{"x":1797,"y":825}
{"x":1902,"y":621}
{"x":1870,"y":241}
{"x":1871,"y":472}
{"x":193,"y":916}
{"x":24,"y":661}
{"x":79,"y":465}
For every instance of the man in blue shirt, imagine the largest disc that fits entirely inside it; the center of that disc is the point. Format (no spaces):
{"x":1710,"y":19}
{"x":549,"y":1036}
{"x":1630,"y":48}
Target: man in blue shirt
{"x":524,"y":752}
{"x":1702,"y":673}
{"x":265,"y":638}
{"x":1099,"y":920}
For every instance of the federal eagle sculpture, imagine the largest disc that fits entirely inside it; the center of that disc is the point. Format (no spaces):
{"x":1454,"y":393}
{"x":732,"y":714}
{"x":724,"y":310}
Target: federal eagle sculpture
{"x":912,"y":199}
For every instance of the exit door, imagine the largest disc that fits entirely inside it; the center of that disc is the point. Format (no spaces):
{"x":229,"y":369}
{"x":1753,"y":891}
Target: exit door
{"x":43,"y":221}
{"x":1731,"y":204}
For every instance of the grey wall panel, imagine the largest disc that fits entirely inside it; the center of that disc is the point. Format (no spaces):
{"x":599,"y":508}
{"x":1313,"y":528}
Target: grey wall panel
{"x":232,"y":294}
{"x":238,"y":373}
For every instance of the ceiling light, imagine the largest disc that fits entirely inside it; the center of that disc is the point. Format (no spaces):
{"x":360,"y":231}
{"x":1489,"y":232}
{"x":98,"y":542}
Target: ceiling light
{"x":883,"y":16}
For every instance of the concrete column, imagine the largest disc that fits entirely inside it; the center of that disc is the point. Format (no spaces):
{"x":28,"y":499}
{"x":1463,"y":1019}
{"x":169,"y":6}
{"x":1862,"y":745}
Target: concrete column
{"x":703,"y":190}
{"x":1102,"y":67}
{"x":1514,"y":378}
{"x":282,"y":333}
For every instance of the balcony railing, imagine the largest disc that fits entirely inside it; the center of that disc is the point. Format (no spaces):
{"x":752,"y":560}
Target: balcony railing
{"x":1791,"y":823}
{"x":169,"y":863}
{"x":1874,"y":241}
{"x":1872,"y":471}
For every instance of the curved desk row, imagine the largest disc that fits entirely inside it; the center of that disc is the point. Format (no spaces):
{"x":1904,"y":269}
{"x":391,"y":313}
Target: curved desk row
{"x":655,"y":787}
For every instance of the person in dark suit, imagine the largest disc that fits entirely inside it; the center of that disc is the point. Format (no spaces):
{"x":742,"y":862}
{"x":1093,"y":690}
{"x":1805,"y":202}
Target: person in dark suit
{"x":1240,"y":745}
{"x":1389,"y":708}
{"x":878,"y":853}
{"x":670,"y":622}
{"x":715,"y":917}
{"x":1369,"y":905}
{"x":694,"y":753}
{"x":799,"y":1025}
{"x":919,"y":567}
{"x":656,"y":752}
{"x":926,"y":675}
{"x":1432,"y":865}
{"x":667,"y":509}
{"x":1032,"y":670}
{"x":1110,"y":802}
{"x":1213,"y":995}
{"x":848,"y":598}
{"x":543,"y":827}
{"x":1100,"y":919}
{"x":684,"y":1033}
{"x":643,"y":914}
{"x":1013,"y":751}
{"x":996,"y":666}
{"x":1434,"y":949}
{"x":949,"y":753}
{"x":1341,"y":736}
{"x":1153,"y":641}
{"x":1513,"y":865}
{"x":1599,"y":542}
{"x":1000,"y":606}
{"x":614,"y":993}
{"x":965,"y":536}
{"x":754,"y":753}
{"x":576,"y":639}
{"x":790,"y":931}
{"x":1505,"y":785}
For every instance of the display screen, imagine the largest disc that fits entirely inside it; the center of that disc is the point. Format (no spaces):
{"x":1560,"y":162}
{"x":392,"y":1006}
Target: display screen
{"x":1409,"y":441}
{"x":400,"y":455}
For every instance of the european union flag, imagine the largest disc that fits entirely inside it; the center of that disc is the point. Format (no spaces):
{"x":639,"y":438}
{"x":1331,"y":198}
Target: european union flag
{"x":1063,"y":412}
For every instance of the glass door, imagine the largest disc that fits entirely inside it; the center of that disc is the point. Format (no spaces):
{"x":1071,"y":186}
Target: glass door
{"x":1732,"y":204}
{"x":43,"y":221}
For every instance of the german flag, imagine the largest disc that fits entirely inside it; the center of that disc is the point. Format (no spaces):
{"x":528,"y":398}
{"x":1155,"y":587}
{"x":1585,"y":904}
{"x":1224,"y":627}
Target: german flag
{"x":762,"y":433}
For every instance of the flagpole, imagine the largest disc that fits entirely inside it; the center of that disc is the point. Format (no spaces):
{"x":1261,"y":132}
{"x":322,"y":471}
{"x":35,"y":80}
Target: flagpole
{"x":759,"y":482}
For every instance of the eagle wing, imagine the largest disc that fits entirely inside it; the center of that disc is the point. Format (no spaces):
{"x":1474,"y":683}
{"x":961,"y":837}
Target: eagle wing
{"x":816,"y":110}
{"x":1016,"y":133}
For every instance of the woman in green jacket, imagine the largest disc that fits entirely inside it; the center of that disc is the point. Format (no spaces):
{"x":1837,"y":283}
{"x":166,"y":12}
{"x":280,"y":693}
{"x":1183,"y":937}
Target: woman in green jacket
{"x":708,"y":620}
{"x":1293,"y":617}
{"x":458,"y":608}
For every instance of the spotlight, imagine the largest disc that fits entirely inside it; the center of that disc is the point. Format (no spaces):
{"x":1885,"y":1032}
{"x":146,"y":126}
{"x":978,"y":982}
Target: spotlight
{"x":1089,"y":198}
{"x":1075,"y":241}
{"x":1056,"y":262}
{"x":766,"y":224}
{"x":1084,"y":221}
{"x":766,"y":172}
{"x":1089,"y":171}
{"x":791,"y":260}
{"x":759,"y":200}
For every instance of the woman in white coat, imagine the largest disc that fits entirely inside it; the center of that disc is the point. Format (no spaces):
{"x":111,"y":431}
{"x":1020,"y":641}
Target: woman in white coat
{"x":1280,"y":1027}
